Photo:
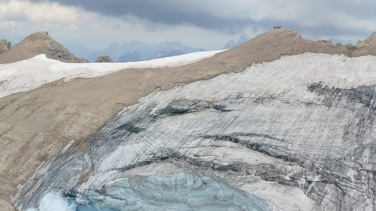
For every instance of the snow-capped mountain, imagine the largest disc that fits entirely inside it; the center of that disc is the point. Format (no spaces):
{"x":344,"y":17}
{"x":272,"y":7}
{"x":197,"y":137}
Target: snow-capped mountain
{"x":277,"y":123}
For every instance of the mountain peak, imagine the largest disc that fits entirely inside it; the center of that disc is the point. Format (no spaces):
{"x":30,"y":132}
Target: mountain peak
{"x":243,"y":38}
{"x":35,"y":44}
{"x":283,"y":32}
{"x":41,"y":35}
{"x":370,"y":41}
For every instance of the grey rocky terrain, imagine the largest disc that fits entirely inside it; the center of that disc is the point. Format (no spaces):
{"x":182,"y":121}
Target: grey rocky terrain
{"x":4,"y":46}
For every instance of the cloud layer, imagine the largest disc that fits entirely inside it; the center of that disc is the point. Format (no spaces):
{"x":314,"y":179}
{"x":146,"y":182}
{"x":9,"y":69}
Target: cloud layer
{"x":329,"y":17}
{"x":194,"y":20}
{"x":18,"y":10}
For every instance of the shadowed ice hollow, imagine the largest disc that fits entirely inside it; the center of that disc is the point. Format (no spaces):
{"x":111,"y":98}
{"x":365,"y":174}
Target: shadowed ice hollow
{"x":180,"y":191}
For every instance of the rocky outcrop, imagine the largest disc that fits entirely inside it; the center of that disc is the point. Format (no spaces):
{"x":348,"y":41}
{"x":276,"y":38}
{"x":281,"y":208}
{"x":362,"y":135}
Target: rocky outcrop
{"x":104,"y":59}
{"x":367,"y":46}
{"x":370,"y":41}
{"x":277,"y":145}
{"x":35,"y":44}
{"x":4,"y":46}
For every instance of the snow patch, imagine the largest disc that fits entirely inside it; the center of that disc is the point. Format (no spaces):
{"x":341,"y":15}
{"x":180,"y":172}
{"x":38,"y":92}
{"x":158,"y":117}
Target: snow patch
{"x":287,"y":79}
{"x":34,"y":72}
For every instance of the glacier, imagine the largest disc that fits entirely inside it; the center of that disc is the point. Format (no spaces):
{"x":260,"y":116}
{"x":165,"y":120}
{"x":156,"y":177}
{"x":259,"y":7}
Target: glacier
{"x":293,"y":134}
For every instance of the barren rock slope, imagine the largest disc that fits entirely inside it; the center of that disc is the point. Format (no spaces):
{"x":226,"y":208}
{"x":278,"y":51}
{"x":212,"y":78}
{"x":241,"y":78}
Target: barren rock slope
{"x":35,"y":44}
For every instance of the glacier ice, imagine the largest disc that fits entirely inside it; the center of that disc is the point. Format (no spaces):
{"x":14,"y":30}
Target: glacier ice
{"x":180,"y":191}
{"x":54,"y":201}
{"x":294,"y":134}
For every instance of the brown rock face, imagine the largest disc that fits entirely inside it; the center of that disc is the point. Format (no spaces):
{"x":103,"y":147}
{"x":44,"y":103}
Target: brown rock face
{"x":367,"y":46}
{"x":6,"y":206}
{"x":370,"y":41}
{"x":36,"y":125}
{"x":35,"y":44}
{"x":104,"y":59}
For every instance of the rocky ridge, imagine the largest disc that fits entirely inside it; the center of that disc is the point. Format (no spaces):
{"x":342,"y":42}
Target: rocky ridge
{"x":84,"y":115}
{"x":369,"y":42}
{"x":4,"y":46}
{"x":35,"y":44}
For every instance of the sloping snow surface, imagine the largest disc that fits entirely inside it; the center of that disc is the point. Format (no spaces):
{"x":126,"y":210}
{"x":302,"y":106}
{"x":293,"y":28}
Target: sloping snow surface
{"x":34,"y":72}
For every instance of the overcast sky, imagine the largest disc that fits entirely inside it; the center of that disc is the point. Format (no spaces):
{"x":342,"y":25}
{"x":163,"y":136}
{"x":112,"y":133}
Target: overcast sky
{"x":200,"y":23}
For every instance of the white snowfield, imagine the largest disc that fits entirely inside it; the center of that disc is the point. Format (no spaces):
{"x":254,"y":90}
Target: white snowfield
{"x":287,"y":76}
{"x":287,"y":79}
{"x":34,"y":72}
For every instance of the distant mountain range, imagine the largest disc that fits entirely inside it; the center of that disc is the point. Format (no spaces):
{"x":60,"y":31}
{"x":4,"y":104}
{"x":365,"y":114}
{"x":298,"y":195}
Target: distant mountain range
{"x":141,"y":51}
{"x":126,"y":52}
{"x":232,"y":43}
{"x":132,"y":51}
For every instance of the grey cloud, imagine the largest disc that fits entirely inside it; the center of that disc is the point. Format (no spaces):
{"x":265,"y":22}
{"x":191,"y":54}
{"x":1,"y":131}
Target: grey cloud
{"x":165,"y":12}
{"x":209,"y":13}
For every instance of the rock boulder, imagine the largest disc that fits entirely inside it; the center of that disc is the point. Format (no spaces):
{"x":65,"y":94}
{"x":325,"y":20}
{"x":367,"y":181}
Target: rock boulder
{"x":104,"y":59}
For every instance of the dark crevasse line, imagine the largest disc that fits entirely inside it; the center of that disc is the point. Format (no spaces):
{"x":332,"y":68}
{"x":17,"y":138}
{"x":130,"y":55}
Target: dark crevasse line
{"x":331,"y":186}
